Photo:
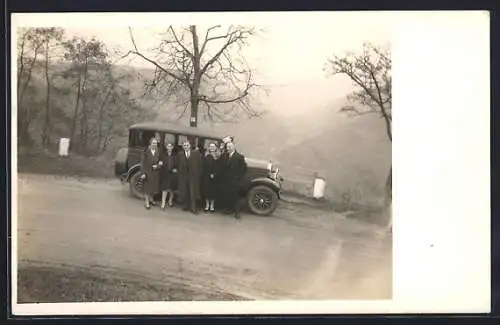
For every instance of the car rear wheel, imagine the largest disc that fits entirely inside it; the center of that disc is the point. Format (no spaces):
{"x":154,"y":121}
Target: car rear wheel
{"x":262,"y":200}
{"x":136,"y":186}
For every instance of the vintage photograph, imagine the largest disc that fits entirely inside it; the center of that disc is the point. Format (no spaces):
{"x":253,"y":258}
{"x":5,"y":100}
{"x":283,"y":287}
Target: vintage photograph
{"x":231,"y":160}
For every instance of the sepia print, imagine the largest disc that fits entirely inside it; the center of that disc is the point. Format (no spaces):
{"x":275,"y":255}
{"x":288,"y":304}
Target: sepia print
{"x":203,"y":162}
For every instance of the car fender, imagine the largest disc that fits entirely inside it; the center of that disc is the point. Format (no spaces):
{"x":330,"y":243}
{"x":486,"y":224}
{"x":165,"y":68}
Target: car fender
{"x":121,"y":162}
{"x":266,"y":181}
{"x":132,"y":170}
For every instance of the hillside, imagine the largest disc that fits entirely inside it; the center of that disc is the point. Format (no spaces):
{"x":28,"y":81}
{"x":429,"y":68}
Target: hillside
{"x":354,"y":157}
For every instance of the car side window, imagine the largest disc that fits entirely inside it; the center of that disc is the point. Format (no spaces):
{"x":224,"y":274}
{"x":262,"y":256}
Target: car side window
{"x":169,"y":138}
{"x":182,"y":139}
{"x":146,"y":137}
{"x":138,"y":139}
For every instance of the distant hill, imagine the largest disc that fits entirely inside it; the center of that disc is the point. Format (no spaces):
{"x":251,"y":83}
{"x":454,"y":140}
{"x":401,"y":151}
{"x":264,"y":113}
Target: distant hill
{"x":354,"y":157}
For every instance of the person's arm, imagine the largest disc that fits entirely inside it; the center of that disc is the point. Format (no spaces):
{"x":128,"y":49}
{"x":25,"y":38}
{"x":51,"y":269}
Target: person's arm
{"x":176,"y":163}
{"x":161,"y":157}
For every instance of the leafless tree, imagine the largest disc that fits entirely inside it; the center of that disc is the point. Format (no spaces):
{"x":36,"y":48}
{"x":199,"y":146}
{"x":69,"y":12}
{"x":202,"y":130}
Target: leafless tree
{"x":370,"y":72}
{"x":85,"y":58}
{"x":203,"y":71}
{"x":29,"y":47}
{"x":49,"y":37}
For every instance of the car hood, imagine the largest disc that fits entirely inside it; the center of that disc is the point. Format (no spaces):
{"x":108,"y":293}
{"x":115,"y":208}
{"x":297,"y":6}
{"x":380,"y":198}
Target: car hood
{"x":256,"y":163}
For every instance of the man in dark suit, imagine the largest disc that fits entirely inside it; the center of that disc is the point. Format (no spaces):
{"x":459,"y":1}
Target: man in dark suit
{"x":234,"y":168}
{"x":189,"y":164}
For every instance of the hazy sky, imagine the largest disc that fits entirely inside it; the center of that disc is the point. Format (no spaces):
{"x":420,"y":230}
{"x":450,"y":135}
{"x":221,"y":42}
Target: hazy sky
{"x":289,"y":55}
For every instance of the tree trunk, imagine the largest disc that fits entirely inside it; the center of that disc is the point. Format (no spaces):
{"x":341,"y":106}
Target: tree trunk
{"x":22,"y":130}
{"x":46,"y":128}
{"x":82,"y":81}
{"x":388,"y":188}
{"x":20,"y":70}
{"x":82,"y":142}
{"x":388,"y":199}
{"x":101,"y":116}
{"x":99,"y":133}
{"x":28,"y":78}
{"x":388,"y":127}
{"x":193,"y":121}
{"x":75,"y":114}
{"x":108,"y":137}
{"x":24,"y":123}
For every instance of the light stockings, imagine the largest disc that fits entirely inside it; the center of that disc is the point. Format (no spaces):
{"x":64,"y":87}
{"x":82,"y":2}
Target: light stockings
{"x":209,"y":204}
{"x":164,"y":195}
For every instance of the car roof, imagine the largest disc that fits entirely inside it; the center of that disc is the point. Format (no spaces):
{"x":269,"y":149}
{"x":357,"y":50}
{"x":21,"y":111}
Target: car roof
{"x":178,"y":129}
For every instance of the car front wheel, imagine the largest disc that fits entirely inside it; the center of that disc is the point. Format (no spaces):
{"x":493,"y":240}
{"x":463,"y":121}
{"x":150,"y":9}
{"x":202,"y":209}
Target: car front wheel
{"x":136,"y":186}
{"x":262,"y":200}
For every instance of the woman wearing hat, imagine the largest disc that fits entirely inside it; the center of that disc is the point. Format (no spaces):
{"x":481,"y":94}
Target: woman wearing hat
{"x":210,"y":174}
{"x":168,"y":173}
{"x":150,"y":171}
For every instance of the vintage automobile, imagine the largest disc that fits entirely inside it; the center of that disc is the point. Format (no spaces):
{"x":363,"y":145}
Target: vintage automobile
{"x":261,"y":184}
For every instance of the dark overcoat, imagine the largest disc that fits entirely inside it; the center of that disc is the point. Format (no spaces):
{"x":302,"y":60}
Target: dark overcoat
{"x":148,"y":163}
{"x":167,"y":175}
{"x":231,"y":174}
{"x":189,"y":173}
{"x":211,"y":166}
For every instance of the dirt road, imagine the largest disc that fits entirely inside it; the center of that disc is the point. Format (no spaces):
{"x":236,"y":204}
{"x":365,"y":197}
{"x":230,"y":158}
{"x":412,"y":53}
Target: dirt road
{"x":77,"y":237}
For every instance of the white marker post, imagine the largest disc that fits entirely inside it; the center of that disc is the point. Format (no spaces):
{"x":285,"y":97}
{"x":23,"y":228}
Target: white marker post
{"x":63,"y":147}
{"x":318,"y":187}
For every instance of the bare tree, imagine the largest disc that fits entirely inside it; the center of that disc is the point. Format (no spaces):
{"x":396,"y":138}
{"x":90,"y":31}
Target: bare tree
{"x":85,"y":57}
{"x":49,"y":36}
{"x":29,"y":46}
{"x":370,"y":72}
{"x":207,"y":74}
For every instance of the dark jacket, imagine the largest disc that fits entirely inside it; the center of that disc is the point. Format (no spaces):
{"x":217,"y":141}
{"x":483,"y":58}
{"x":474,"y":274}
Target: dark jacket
{"x":210,"y":174}
{"x":152,"y":181}
{"x":168,"y":177}
{"x":189,"y":173}
{"x":231,"y":174}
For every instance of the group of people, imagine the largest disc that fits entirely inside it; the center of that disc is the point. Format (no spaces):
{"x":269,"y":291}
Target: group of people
{"x":211,"y":179}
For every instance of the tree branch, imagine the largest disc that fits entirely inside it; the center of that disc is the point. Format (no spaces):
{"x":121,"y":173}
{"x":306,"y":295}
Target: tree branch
{"x":136,"y":52}
{"x":180,"y":43}
{"x":231,"y":40}
{"x":207,"y":39}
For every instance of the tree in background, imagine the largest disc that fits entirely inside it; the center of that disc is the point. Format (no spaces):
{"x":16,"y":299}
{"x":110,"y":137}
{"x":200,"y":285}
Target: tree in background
{"x":370,"y":72}
{"x":50,"y":37}
{"x":29,"y":48}
{"x":87,"y":59}
{"x":204,"y":71}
